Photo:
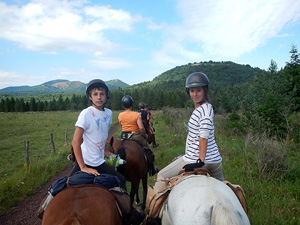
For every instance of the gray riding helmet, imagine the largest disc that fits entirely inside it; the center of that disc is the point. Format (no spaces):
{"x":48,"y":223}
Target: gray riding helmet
{"x":96,"y":83}
{"x":142,"y":105}
{"x":196,"y":79}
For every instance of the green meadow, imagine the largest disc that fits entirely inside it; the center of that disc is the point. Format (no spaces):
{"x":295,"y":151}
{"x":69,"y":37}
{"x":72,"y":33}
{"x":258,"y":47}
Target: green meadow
{"x":267,"y":169}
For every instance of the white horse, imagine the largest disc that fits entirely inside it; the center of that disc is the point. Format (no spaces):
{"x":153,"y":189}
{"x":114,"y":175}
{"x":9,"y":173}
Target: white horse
{"x":202,"y":200}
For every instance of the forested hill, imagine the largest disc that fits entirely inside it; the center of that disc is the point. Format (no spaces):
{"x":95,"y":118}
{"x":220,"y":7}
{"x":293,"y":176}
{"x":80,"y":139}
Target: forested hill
{"x":220,"y":74}
{"x":168,"y":88}
{"x":56,"y":87}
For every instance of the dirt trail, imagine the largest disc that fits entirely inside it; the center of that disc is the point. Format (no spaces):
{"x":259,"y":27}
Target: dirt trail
{"x":25,"y":212}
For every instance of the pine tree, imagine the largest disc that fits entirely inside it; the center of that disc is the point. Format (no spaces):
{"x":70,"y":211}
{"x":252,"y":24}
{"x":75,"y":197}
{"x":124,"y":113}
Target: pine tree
{"x":32,"y":104}
{"x":292,"y":76}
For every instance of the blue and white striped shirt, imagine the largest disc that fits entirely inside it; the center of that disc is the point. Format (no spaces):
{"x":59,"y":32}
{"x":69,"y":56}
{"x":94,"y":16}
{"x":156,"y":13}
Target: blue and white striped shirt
{"x":201,"y":125}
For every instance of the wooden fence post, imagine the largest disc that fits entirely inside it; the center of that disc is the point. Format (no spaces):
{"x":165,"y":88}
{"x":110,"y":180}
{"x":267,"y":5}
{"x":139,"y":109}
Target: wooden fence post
{"x":52,"y":143}
{"x":66,"y":137}
{"x":26,"y":154}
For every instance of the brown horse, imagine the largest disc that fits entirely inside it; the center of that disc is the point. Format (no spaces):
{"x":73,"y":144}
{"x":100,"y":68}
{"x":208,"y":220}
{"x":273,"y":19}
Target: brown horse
{"x":149,"y":132}
{"x":80,"y":205}
{"x":136,"y":166}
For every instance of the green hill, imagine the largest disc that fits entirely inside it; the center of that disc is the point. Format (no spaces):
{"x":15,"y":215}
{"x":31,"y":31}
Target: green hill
{"x":220,"y":74}
{"x":113,"y":84}
{"x":56,"y":87}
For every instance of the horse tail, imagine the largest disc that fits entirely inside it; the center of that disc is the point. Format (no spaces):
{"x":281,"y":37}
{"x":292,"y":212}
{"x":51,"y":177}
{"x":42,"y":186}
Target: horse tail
{"x":223,"y":214}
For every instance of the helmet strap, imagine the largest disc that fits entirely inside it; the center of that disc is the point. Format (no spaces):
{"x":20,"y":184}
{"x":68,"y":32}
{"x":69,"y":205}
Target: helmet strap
{"x":93,"y":104}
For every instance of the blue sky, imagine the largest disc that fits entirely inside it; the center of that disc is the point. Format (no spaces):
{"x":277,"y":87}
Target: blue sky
{"x":137,"y":40}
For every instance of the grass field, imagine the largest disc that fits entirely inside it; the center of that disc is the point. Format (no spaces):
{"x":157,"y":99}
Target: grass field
{"x":268,"y":170}
{"x":18,"y":180}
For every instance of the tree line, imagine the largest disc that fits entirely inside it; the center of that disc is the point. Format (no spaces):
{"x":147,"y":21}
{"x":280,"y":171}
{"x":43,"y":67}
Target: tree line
{"x":76,"y":102}
{"x":269,"y":102}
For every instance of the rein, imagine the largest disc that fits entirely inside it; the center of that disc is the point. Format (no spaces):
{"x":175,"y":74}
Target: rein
{"x":110,"y":148}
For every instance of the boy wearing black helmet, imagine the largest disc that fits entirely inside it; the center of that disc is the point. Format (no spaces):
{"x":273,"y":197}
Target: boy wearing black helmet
{"x":201,"y":149}
{"x":89,"y":141}
{"x":91,"y":133}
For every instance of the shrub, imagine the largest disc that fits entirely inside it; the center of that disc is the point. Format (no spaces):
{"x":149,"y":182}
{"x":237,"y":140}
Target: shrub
{"x":293,"y":128}
{"x":234,"y":124}
{"x":266,"y":154}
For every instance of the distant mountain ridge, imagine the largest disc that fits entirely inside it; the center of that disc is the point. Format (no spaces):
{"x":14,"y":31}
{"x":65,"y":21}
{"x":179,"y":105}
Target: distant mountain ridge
{"x":59,"y":86}
{"x":221,"y":74}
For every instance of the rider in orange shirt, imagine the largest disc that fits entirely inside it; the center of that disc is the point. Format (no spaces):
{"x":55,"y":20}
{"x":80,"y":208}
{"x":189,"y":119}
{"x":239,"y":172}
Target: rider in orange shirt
{"x":133,"y":128}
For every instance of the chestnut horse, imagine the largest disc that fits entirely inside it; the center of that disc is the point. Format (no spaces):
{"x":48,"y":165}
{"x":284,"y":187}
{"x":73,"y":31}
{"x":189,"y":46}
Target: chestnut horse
{"x":136,"y":166}
{"x":149,"y":131}
{"x":80,"y":205}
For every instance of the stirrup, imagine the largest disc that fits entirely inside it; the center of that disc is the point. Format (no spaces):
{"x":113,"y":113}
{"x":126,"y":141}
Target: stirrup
{"x":155,"y":145}
{"x":153,"y":171}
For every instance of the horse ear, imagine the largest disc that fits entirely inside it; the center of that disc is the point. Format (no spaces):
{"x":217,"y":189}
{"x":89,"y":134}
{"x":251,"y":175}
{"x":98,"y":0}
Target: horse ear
{"x":111,"y":140}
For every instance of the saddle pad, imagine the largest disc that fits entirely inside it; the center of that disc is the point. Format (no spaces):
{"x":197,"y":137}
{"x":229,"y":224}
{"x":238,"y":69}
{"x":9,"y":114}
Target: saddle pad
{"x":239,"y":192}
{"x":164,"y":185}
{"x":157,"y":195}
{"x":123,"y":201}
{"x":154,"y":204}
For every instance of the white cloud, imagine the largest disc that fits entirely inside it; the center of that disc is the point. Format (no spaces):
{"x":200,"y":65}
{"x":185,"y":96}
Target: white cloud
{"x":15,"y":79}
{"x":61,"y":25}
{"x":109,"y":63}
{"x":226,"y":29}
{"x":118,"y":40}
{"x":9,"y":79}
{"x":103,"y":17}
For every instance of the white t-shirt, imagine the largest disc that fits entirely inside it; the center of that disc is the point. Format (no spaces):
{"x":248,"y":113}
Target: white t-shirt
{"x":96,"y":124}
{"x":201,"y":125}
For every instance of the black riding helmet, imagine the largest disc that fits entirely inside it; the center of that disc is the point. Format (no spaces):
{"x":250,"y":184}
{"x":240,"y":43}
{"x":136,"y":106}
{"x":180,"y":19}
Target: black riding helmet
{"x":96,"y":83}
{"x":142,"y":105}
{"x":196,"y":79}
{"x":127,"y":101}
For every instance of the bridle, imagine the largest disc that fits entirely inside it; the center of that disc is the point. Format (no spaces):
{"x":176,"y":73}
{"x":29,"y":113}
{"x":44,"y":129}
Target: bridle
{"x":110,"y":148}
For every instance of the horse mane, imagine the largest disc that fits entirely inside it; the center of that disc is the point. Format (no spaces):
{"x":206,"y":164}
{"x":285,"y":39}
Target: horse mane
{"x":122,"y":153}
{"x":223,"y":214}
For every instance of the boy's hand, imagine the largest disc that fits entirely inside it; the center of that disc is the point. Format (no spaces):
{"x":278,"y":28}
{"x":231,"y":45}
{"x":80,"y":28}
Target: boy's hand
{"x":90,"y":170}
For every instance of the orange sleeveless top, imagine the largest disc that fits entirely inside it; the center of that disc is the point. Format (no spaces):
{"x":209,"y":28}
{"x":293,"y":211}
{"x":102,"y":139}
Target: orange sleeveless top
{"x":128,"y":121}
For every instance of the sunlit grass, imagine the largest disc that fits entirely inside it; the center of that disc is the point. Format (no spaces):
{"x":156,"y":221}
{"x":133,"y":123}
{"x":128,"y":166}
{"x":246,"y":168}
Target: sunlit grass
{"x":17,"y":179}
{"x":273,"y":194}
